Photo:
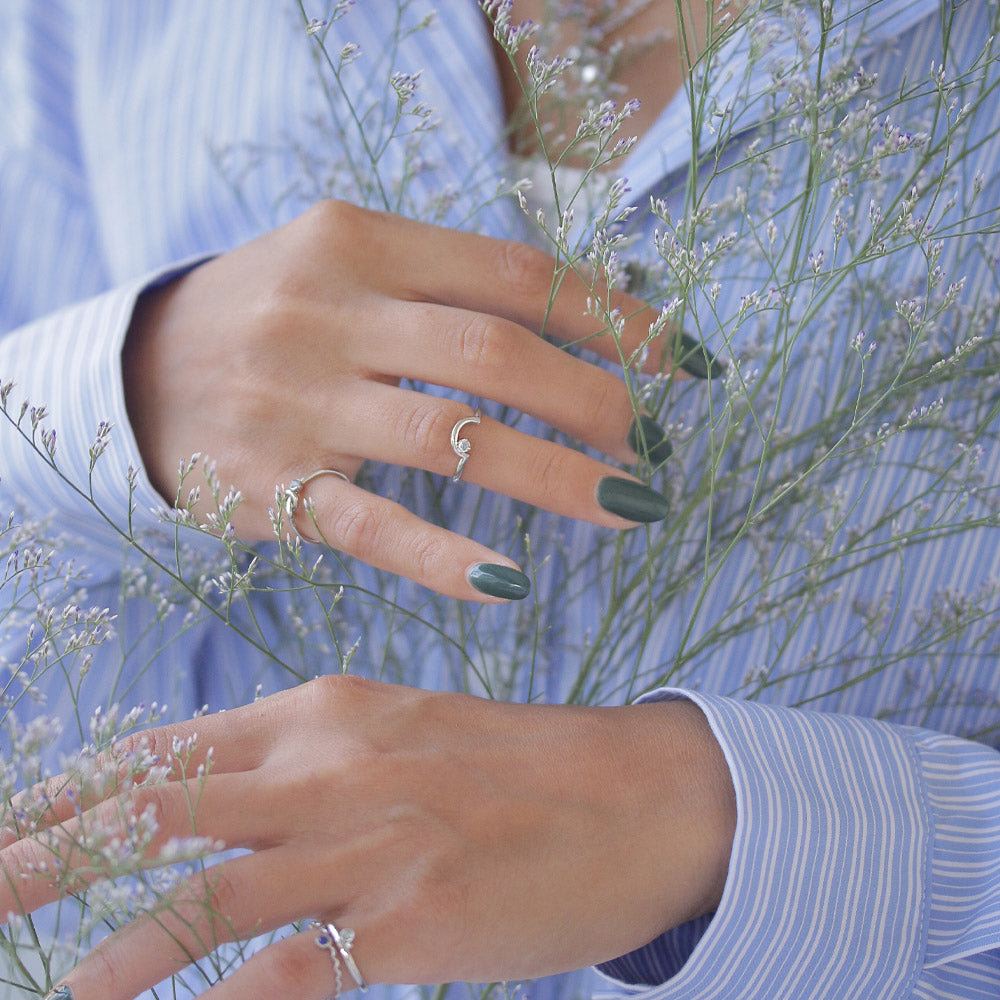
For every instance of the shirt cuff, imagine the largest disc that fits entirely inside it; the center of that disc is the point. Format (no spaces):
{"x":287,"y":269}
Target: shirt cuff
{"x":852,"y":838}
{"x":70,"y":364}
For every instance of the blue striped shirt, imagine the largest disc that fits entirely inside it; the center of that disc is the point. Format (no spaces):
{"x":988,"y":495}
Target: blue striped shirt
{"x":140,"y":138}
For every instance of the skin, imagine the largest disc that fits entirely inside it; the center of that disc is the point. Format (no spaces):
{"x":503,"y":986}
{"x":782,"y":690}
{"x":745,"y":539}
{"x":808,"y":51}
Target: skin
{"x":460,"y":838}
{"x":656,"y":53}
{"x":239,"y":357}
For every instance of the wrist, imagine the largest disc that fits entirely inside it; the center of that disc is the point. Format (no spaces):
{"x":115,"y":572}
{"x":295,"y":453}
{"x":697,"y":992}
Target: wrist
{"x":684,"y":804}
{"x":140,"y":365}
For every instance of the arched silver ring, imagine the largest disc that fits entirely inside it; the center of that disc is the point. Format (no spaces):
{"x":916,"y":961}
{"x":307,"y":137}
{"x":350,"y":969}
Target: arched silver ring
{"x":462,"y":447}
{"x":339,"y":944}
{"x":293,"y":493}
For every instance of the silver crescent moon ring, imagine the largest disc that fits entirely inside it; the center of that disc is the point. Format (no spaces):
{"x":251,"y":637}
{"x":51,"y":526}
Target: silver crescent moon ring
{"x":462,"y":447}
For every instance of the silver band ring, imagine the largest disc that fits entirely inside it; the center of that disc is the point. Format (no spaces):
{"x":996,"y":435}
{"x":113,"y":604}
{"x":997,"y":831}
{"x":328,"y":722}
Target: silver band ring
{"x":462,"y":447}
{"x":339,"y":944}
{"x":290,"y":497}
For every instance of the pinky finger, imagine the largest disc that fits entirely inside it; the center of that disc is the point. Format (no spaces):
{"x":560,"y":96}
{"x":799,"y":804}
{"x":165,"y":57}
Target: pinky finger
{"x":387,"y":536}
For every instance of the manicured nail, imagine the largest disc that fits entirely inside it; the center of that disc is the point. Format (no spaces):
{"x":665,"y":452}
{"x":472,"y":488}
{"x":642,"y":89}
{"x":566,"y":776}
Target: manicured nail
{"x":649,"y":439}
{"x":694,"y":358}
{"x":500,"y":581}
{"x":631,"y":500}
{"x":60,"y":993}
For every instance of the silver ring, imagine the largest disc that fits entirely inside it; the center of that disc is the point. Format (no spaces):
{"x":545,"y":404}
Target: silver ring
{"x":339,"y":944}
{"x":290,"y":497}
{"x":462,"y":447}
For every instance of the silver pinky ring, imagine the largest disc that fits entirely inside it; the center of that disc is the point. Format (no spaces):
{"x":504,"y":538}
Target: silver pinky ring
{"x":339,"y":944}
{"x":462,"y":447}
{"x":293,"y":493}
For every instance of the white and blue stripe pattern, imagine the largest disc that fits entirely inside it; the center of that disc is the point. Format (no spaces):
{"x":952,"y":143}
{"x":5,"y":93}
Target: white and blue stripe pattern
{"x":892,"y":828}
{"x":867,"y":859}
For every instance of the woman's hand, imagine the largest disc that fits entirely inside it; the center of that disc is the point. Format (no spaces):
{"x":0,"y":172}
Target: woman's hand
{"x":459,"y":838}
{"x":284,"y":357}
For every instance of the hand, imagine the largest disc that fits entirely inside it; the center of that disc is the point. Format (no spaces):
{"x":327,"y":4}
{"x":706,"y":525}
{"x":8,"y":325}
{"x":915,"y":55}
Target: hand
{"x":285,"y":355}
{"x":459,"y":838}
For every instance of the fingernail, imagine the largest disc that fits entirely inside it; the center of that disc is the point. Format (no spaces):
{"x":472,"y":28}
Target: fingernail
{"x":647,"y":437}
{"x":694,"y":358}
{"x":59,"y":993}
{"x":500,"y":581}
{"x":631,"y":500}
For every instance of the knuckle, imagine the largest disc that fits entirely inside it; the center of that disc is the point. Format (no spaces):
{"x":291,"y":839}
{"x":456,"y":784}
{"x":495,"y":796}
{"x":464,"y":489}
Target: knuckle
{"x":18,"y":859}
{"x":296,"y":276}
{"x":327,"y":230}
{"x":220,"y":896}
{"x":331,"y":218}
{"x":152,"y":799}
{"x":481,"y":344}
{"x":607,"y":399}
{"x":524,"y":270}
{"x":46,"y":797}
{"x":131,"y":745}
{"x":427,"y":551}
{"x":426,"y":428}
{"x":153,"y":746}
{"x":327,"y":692}
{"x":357,"y":530}
{"x":549,"y":472}
{"x":106,"y":969}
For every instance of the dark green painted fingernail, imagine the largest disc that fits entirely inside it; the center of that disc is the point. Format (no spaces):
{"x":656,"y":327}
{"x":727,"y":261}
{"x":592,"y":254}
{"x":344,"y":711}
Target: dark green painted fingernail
{"x":59,"y":993}
{"x":695,"y":358}
{"x":631,"y":500}
{"x":650,"y":440}
{"x":500,"y":581}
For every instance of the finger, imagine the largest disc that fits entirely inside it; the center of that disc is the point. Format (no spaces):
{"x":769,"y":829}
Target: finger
{"x":384,"y":534}
{"x":127,"y":833}
{"x":236,"y":900}
{"x":500,"y":360}
{"x":402,"y":427}
{"x":230,"y":742}
{"x":526,"y":285}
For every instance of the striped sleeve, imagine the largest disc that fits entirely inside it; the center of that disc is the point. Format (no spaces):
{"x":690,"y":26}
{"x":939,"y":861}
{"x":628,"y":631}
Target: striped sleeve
{"x":70,"y":364}
{"x":866,"y":863}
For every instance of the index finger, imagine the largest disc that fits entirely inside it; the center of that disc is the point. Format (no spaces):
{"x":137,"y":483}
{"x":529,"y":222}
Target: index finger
{"x":521,"y":283}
